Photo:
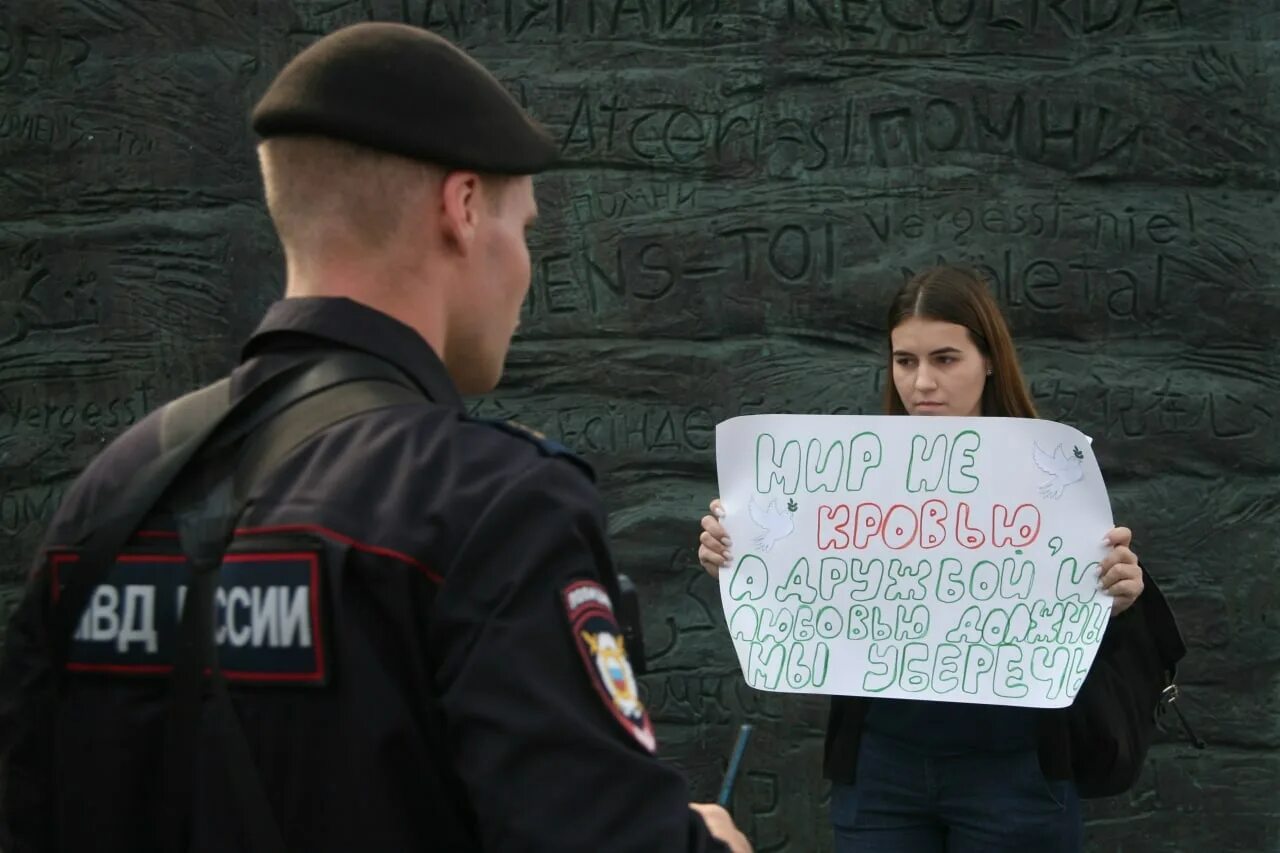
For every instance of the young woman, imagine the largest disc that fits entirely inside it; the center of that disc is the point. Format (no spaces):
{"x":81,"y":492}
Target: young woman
{"x":938,"y":777}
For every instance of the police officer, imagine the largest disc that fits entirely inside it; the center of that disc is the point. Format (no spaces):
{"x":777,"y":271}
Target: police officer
{"x":415,"y":618}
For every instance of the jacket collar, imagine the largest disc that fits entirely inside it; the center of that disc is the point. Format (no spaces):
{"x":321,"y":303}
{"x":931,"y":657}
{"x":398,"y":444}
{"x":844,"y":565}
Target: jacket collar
{"x":347,"y":323}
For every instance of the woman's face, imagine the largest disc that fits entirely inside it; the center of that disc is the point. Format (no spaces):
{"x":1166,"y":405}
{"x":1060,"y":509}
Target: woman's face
{"x":937,"y":369}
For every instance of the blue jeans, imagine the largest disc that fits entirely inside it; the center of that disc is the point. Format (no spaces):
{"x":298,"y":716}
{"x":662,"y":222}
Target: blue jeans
{"x":993,"y":802}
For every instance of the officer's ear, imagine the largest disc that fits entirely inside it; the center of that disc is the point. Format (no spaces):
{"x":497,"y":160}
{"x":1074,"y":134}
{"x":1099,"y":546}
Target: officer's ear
{"x":461,"y":195}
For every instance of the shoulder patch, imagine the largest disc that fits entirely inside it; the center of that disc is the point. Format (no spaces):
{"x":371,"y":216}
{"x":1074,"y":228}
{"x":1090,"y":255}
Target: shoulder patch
{"x":549,"y":447}
{"x":599,"y":641}
{"x":269,"y":616}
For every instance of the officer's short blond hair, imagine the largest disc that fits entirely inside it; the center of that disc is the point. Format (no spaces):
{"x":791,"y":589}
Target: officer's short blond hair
{"x":321,"y":192}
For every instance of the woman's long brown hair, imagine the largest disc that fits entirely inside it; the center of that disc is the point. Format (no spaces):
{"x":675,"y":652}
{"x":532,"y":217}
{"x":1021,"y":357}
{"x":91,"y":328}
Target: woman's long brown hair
{"x":960,"y":295}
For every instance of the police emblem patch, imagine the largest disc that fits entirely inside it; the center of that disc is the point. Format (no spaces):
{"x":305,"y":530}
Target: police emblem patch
{"x":599,"y":640}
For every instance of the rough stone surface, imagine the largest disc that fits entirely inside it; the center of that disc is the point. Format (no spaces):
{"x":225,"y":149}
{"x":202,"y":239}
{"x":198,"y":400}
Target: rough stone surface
{"x":746,"y":183}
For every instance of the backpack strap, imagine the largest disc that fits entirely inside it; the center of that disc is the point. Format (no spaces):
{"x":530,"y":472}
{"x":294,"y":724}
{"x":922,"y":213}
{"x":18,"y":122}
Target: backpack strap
{"x":1170,"y":647}
{"x":261,"y":429}
{"x":205,"y":532}
{"x":189,"y":426}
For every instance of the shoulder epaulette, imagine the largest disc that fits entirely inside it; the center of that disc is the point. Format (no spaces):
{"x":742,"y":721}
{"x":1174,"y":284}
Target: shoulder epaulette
{"x":549,"y":447}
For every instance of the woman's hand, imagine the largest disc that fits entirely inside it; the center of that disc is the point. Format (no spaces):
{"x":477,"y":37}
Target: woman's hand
{"x":1120,"y":575}
{"x":713,"y":544}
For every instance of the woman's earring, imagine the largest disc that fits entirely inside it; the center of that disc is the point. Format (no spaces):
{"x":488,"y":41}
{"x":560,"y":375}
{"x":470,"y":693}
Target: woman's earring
{"x":988,"y":371}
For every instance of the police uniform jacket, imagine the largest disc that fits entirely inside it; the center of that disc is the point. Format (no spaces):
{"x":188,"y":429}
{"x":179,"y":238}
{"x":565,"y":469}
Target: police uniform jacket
{"x":416,"y":623}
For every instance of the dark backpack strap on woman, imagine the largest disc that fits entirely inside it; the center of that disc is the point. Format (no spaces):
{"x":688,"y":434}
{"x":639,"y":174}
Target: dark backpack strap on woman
{"x":1130,"y":686}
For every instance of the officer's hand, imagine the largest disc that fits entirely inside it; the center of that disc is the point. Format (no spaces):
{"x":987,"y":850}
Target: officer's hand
{"x":721,"y":825}
{"x":713,"y":544}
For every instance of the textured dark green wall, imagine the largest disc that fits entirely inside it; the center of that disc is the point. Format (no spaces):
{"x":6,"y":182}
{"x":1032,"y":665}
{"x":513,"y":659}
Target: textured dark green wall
{"x":746,"y":183}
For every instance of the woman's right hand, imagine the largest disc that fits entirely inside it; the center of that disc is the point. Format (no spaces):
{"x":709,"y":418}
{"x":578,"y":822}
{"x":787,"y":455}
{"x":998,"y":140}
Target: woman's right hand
{"x":713,"y":543}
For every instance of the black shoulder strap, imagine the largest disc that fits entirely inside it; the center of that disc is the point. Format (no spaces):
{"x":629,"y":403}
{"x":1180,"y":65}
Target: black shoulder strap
{"x":1161,"y":623}
{"x":277,"y":416}
{"x":189,"y":429}
{"x":205,"y":533}
{"x":1170,"y":647}
{"x":186,"y":416}
{"x":268,"y":447}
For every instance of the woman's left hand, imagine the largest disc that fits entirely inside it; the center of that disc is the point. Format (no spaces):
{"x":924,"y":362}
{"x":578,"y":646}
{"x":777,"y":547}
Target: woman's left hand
{"x":1120,"y":575}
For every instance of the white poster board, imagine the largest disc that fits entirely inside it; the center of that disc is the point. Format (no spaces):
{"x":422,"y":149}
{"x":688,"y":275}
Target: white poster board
{"x":953,"y":559}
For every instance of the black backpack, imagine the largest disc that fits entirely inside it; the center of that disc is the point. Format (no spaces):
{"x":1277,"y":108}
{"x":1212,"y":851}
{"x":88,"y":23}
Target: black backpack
{"x":1121,"y":704}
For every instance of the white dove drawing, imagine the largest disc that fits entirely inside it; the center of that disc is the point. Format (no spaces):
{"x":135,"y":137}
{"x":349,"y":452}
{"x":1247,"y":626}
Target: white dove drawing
{"x":1063,"y":469}
{"x":776,"y":524}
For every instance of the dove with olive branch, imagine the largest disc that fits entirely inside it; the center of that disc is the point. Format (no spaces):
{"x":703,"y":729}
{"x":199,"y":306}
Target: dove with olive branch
{"x":775,"y":524}
{"x":1063,"y":469}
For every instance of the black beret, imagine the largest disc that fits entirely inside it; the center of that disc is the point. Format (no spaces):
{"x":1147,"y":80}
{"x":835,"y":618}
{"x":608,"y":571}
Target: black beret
{"x":404,"y":90}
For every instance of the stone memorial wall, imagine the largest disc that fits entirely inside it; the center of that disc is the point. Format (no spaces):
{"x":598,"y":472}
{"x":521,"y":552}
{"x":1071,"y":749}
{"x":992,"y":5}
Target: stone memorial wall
{"x":745,"y":183}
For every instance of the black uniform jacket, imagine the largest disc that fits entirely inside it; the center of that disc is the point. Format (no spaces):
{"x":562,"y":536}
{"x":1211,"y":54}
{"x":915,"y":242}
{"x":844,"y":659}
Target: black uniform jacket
{"x":416,"y":622}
